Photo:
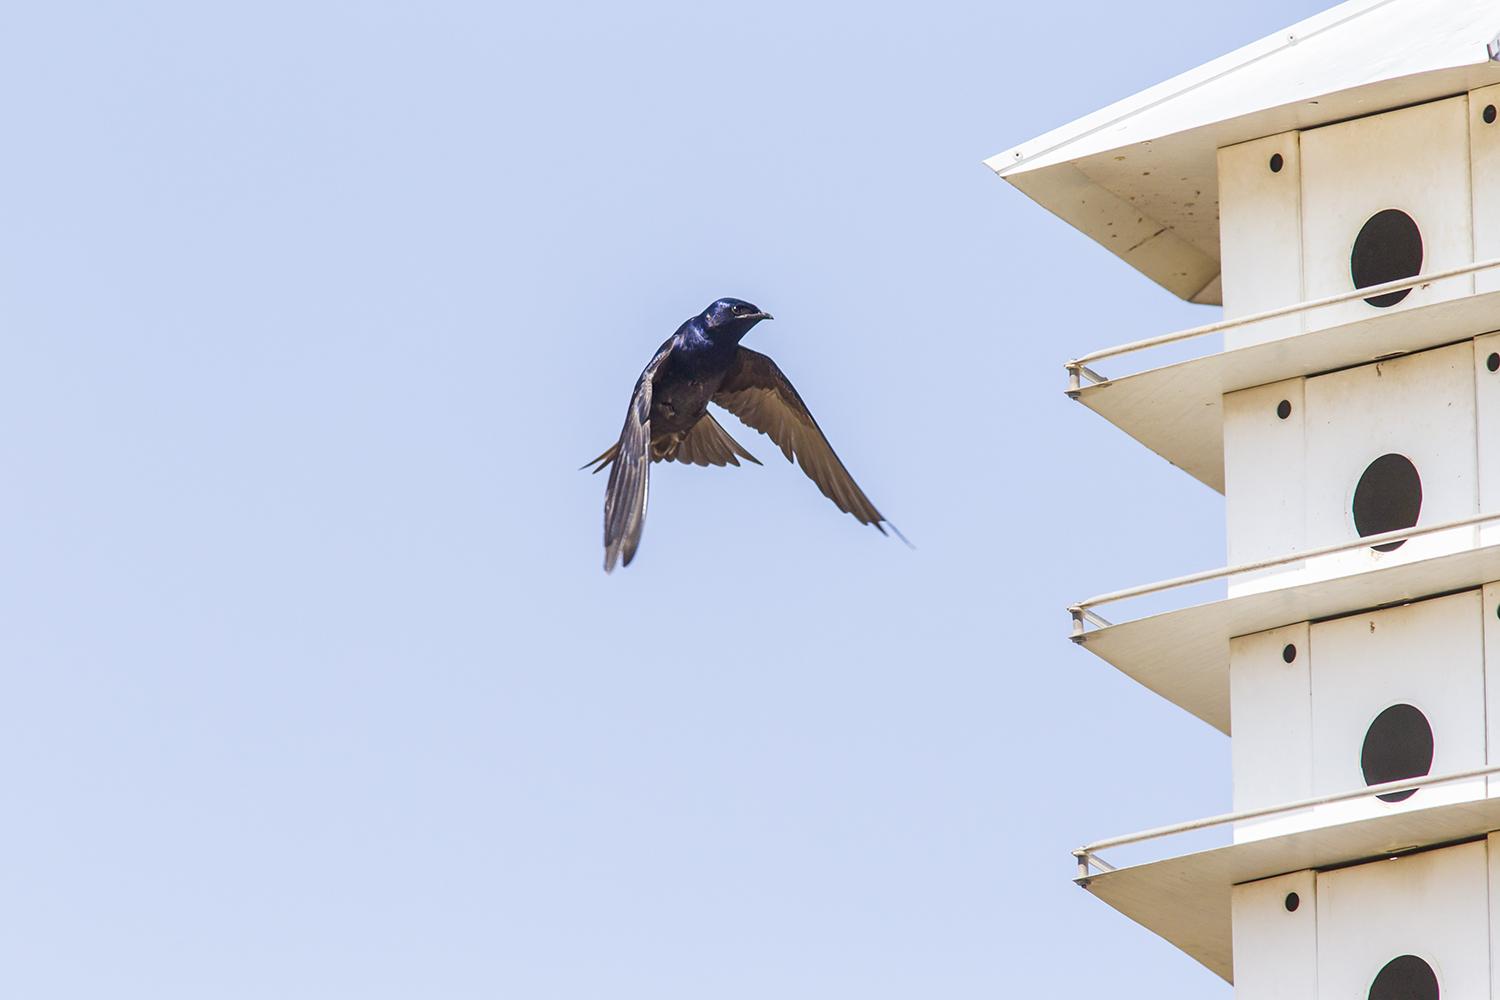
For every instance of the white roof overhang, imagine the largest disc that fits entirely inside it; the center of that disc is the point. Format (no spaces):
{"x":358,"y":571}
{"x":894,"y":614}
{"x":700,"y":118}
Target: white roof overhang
{"x":1140,"y":176}
{"x":1183,"y":655}
{"x":1186,"y":899}
{"x":1177,"y":410}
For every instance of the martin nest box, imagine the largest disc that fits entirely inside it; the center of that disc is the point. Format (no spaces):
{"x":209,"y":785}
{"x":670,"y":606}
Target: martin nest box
{"x":1336,"y":188}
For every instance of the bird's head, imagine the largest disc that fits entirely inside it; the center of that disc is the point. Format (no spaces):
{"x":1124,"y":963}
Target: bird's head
{"x":731,"y":318}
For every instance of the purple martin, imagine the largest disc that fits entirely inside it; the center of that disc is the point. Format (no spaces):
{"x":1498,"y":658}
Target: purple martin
{"x":668,"y":421}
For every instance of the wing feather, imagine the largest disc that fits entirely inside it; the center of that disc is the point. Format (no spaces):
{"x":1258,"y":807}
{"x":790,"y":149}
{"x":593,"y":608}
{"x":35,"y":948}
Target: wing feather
{"x":630,"y":474}
{"x":757,"y":392}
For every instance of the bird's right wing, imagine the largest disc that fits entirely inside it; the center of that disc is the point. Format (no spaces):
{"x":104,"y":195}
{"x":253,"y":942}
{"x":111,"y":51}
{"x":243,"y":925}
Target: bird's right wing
{"x":757,"y":392}
{"x":630,"y":476}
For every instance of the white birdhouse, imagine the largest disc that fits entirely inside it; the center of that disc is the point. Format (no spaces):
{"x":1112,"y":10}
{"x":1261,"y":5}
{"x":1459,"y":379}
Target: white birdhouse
{"x":1336,"y":188}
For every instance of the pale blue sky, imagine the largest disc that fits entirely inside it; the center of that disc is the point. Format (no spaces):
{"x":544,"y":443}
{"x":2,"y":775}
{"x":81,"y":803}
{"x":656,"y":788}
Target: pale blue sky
{"x":313,"y":685}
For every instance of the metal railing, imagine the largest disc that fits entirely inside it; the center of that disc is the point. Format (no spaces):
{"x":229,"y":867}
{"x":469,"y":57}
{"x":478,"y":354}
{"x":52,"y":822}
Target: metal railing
{"x":1087,"y":856}
{"x":1078,"y":368}
{"x":1083,"y":612}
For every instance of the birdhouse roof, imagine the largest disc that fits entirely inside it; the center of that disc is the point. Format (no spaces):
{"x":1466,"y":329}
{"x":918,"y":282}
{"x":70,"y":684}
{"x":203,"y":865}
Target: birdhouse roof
{"x":1140,"y":176}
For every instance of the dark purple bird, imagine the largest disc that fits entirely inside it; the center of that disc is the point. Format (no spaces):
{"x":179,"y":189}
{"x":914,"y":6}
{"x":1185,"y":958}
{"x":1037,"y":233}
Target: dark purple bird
{"x":668,"y":420}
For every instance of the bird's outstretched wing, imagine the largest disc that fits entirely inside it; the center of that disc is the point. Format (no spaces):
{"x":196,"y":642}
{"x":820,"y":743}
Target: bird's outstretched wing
{"x":630,"y":476}
{"x":757,"y":392}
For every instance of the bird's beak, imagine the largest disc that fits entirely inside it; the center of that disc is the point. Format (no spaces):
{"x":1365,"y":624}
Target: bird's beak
{"x":763,"y":315}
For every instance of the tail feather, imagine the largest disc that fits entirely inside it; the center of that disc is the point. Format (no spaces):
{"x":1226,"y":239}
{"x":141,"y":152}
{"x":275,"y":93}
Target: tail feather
{"x":595,"y":465}
{"x":706,"y":444}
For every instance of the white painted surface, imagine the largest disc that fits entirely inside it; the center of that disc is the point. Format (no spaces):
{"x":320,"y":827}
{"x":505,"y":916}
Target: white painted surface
{"x":1264,"y":503}
{"x":1420,"y":406}
{"x":1489,"y":613}
{"x":1186,"y":898}
{"x":1146,"y":166}
{"x":1183,"y":655}
{"x":1415,"y":160}
{"x":1276,"y":949}
{"x":1429,"y":655}
{"x":1484,"y":173}
{"x":1271,"y":707}
{"x":1487,"y":443}
{"x":1176,"y":410}
{"x":1260,"y":236}
{"x":1492,"y":848}
{"x":1434,"y":905}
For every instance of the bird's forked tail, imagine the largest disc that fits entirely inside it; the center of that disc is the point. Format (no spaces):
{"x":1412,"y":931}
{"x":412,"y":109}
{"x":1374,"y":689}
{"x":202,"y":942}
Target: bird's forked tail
{"x":603,"y":461}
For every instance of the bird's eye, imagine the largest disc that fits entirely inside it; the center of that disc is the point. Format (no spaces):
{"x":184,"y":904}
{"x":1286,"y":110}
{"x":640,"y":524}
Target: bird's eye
{"x":742,"y":309}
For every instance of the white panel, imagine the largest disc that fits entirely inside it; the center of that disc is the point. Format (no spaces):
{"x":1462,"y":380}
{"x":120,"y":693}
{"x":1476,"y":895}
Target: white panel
{"x":1260,"y":235}
{"x":1420,"y":406}
{"x":1276,"y":938}
{"x":1490,"y":613}
{"x":1270,"y":698}
{"x":1492,"y":848}
{"x":1484,"y":171}
{"x":1429,"y":655}
{"x":1263,"y":485}
{"x":1415,"y":160}
{"x":1487,"y":417}
{"x":1433,"y":905}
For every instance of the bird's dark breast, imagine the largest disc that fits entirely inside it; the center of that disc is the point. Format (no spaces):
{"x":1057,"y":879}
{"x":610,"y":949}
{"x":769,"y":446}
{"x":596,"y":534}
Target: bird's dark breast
{"x":679,"y":400}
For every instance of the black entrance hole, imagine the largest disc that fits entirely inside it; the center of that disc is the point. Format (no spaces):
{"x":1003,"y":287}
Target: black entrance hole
{"x":1388,"y":247}
{"x":1405,"y":978}
{"x":1398,"y":745}
{"x":1388,"y":497}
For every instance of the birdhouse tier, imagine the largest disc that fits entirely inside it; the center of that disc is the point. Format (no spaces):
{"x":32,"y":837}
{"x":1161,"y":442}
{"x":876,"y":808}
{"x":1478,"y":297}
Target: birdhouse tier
{"x":1202,"y":902}
{"x":1177,"y":410}
{"x":1312,"y":462}
{"x":1144,"y":177}
{"x":1318,"y":216}
{"x":1184,"y":655}
{"x":1398,"y":693}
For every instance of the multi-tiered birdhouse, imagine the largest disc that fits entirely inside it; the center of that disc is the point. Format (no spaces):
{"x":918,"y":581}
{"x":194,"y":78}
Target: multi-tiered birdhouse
{"x":1336,"y":187}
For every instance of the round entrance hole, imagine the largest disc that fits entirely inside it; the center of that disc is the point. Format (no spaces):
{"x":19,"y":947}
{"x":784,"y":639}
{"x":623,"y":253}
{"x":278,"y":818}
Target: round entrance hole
{"x":1405,"y":978}
{"x":1398,"y":745}
{"x":1388,"y":497}
{"x":1388,"y":248}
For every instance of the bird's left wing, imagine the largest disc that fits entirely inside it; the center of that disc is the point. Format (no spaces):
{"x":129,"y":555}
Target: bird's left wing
{"x":630,"y":476}
{"x":757,"y":392}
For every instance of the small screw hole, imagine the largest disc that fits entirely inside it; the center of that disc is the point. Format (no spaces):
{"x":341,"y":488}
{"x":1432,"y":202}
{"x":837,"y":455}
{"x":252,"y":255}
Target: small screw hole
{"x":1492,"y":362}
{"x":1284,"y":408}
{"x":1289,"y":652}
{"x":1277,"y":162}
{"x":1489,"y":114}
{"x":1292,"y":902}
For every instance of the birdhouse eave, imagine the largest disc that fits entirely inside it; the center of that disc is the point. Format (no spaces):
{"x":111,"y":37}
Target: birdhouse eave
{"x":1140,"y":176}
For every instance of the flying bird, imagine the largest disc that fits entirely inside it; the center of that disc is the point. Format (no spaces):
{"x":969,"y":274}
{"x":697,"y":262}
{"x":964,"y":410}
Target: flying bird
{"x":668,"y":421}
